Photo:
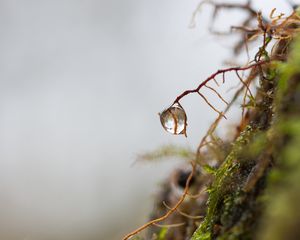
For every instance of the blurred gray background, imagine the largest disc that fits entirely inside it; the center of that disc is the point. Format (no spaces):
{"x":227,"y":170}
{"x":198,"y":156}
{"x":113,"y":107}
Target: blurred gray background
{"x":81,"y":83}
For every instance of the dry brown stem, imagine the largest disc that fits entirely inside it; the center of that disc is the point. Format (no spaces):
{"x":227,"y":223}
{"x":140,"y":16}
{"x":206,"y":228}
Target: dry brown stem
{"x":172,"y":210}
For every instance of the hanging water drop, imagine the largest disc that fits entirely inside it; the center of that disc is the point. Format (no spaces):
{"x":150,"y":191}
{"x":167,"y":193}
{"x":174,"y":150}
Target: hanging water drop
{"x":174,"y":119}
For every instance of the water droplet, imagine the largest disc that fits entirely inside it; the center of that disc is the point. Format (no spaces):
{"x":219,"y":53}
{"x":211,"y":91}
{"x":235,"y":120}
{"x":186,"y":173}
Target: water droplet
{"x":174,"y":120}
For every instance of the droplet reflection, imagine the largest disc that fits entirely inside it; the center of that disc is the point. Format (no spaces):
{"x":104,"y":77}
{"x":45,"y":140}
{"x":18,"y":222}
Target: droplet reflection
{"x":174,"y":120}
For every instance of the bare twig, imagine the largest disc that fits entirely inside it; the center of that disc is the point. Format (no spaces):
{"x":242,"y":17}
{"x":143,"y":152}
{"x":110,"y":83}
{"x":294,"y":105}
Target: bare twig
{"x":219,"y":95}
{"x":209,"y":104}
{"x":245,"y":84}
{"x":182,"y":213}
{"x":222,"y":71}
{"x":169,"y":225}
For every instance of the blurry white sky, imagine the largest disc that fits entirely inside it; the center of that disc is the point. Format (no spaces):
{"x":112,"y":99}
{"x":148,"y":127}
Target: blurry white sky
{"x":81,"y":83}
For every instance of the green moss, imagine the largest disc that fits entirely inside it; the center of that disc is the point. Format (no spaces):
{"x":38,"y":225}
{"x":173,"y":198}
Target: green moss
{"x":231,"y":209}
{"x":225,"y":194}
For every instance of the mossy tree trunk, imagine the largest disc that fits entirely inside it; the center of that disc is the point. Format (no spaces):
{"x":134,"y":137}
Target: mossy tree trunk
{"x":256,"y":191}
